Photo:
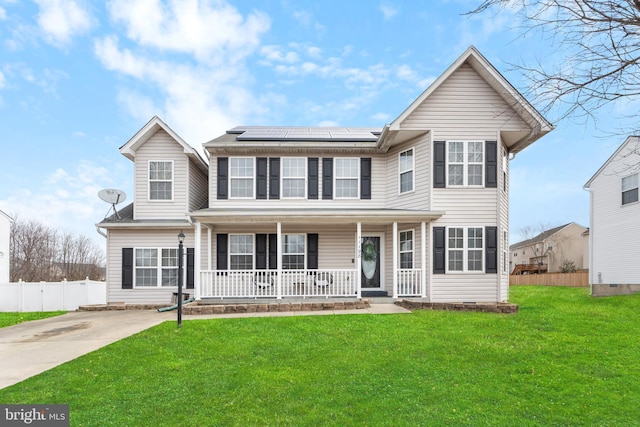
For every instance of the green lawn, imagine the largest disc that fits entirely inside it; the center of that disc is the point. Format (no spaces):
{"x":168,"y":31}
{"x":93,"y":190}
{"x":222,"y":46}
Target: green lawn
{"x":8,"y":319}
{"x":564,"y":359}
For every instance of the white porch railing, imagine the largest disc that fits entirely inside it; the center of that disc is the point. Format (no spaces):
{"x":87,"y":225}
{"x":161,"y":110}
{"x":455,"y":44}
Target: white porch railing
{"x":269,"y":284}
{"x":409,"y":282}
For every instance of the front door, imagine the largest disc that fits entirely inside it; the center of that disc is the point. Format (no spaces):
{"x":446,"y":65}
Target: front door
{"x":371,"y":262}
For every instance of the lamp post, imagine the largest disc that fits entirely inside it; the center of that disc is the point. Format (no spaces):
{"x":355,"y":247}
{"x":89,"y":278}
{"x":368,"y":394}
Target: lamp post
{"x":180,"y":250}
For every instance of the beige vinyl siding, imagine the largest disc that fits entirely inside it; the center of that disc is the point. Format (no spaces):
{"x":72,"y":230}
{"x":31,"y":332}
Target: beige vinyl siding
{"x":615,"y":228}
{"x":198,"y":187}
{"x":378,"y":187}
{"x":160,"y":147}
{"x":419,"y":198}
{"x":463,"y":288}
{"x":464,"y":106}
{"x":466,"y":206}
{"x":503,"y":222}
{"x":118,"y":239}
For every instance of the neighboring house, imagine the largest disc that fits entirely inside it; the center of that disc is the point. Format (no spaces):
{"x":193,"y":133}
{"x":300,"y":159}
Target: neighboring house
{"x":5,"y":259}
{"x":614,"y":231}
{"x":418,"y":207}
{"x":548,"y":251}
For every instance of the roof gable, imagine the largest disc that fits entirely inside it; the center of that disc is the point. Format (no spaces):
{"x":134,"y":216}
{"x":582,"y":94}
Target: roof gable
{"x":537,"y":123}
{"x":623,"y":146}
{"x":143,"y":135}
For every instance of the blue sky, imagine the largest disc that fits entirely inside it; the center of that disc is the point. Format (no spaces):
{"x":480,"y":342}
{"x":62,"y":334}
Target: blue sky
{"x":79,"y":78}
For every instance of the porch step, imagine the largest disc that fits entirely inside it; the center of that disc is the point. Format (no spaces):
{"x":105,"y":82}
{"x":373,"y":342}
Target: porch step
{"x":374,"y":294}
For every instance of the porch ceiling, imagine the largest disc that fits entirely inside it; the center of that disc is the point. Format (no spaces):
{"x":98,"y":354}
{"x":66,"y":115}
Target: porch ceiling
{"x":313,"y":216}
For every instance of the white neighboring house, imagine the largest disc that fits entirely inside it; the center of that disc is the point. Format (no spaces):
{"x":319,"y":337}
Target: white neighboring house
{"x":5,"y":232}
{"x":418,"y":207}
{"x":615,"y":222}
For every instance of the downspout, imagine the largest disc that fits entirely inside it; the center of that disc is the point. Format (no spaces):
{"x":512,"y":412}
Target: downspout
{"x":100,"y":232}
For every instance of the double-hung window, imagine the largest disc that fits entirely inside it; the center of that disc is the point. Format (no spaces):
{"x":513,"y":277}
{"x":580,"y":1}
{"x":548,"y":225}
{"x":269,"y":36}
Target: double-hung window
{"x":347,"y":177}
{"x":465,"y":163}
{"x":241,"y":251}
{"x":406,"y":249}
{"x":241,"y":177}
{"x":406,"y":166}
{"x":294,"y":172}
{"x":160,"y":180}
{"x":465,"y":249}
{"x":293,"y":251}
{"x":156,"y":267}
{"x":630,"y":189}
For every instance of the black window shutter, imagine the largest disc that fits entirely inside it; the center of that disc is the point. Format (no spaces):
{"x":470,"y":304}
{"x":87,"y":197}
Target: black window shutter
{"x":223,"y":178}
{"x":439,"y":250}
{"x":365,"y":178}
{"x":261,"y":178}
{"x":491,"y":164}
{"x":261,"y":251}
{"x":312,"y":179}
{"x":273,"y":251}
{"x":127,"y":268}
{"x":191,"y":268}
{"x":439,"y":165}
{"x":274,"y":177}
{"x":327,"y":178}
{"x":312,"y":251}
{"x":491,"y":251}
{"x":221,"y":253}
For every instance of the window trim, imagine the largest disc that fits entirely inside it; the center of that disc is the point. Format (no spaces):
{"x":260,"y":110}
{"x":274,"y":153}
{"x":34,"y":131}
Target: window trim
{"x":158,"y":267}
{"x":304,"y":177}
{"x":465,"y":163}
{"x":412,"y":170}
{"x":412,"y":251}
{"x":253,"y":178}
{"x":283,"y":253}
{"x":149,"y":180}
{"x":465,"y":250}
{"x":336,"y":178}
{"x":636,"y":188}
{"x":252,"y":253}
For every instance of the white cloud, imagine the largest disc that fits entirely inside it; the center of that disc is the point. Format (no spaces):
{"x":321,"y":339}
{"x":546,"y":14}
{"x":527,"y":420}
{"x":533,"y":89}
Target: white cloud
{"x":3,"y":14}
{"x":60,"y":20}
{"x":381,"y":117}
{"x":388,"y":10}
{"x":3,"y":81}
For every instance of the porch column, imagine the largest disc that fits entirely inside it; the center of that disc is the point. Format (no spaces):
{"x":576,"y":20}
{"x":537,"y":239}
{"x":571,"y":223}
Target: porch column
{"x":209,"y":256}
{"x":196,"y":264}
{"x":395,"y":260}
{"x":359,"y":259}
{"x":423,"y":258}
{"x":279,"y":271}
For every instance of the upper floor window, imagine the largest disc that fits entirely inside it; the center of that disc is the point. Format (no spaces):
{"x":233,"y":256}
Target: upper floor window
{"x":465,"y":248}
{"x":630,"y":189}
{"x":294,"y":172}
{"x":406,"y":249}
{"x":241,"y":177}
{"x":406,"y":166}
{"x":347,"y":177}
{"x":241,"y":251}
{"x":156,"y":267}
{"x":160,"y":180}
{"x":293,"y":251}
{"x":465,"y":163}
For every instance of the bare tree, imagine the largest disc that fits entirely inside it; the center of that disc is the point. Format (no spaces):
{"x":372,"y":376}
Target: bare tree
{"x":41,"y":253}
{"x":600,"y":44}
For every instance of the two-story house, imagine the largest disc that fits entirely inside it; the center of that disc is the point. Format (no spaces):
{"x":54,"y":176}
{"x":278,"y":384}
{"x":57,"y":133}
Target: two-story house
{"x":614,"y":231}
{"x":418,"y":207}
{"x":549,"y":251}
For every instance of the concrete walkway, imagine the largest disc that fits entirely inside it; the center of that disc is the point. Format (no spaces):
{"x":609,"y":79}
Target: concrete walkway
{"x":29,"y":348}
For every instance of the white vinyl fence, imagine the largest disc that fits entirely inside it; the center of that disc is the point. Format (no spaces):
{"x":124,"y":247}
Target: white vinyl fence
{"x":51,"y":296}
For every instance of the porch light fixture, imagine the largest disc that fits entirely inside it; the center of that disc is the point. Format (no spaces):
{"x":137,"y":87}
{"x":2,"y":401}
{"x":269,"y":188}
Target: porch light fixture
{"x":181,"y":237}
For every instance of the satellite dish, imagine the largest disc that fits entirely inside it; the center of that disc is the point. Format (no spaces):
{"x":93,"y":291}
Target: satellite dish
{"x":114,"y":197}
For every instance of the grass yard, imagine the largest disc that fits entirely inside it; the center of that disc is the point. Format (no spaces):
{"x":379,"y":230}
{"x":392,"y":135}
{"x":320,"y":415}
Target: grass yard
{"x":564,"y":359}
{"x":8,"y":319}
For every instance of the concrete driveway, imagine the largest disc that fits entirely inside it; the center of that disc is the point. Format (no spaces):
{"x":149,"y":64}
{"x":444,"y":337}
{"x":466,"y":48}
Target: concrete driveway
{"x":30,"y":348}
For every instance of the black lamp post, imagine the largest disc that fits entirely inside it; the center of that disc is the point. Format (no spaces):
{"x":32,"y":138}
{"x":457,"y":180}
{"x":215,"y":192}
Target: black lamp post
{"x":180,"y":250}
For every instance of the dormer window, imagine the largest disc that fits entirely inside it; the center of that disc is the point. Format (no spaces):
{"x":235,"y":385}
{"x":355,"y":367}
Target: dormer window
{"x":160,"y":180}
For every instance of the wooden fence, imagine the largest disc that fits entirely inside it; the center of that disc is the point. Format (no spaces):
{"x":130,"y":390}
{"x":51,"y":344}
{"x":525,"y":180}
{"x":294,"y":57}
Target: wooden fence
{"x":579,"y":279}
